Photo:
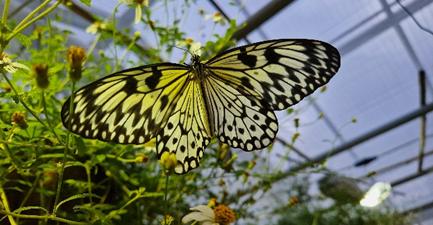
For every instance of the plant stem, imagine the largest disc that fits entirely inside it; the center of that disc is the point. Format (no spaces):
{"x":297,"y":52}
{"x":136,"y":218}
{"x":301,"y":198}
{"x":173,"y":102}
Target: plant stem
{"x":44,"y":106}
{"x":66,"y":150}
{"x":21,"y":27}
{"x":35,"y":183}
{"x":32,"y":13}
{"x":5,"y":205}
{"x":116,"y":65}
{"x":165,"y":198}
{"x":5,"y":11}
{"x":45,"y":217}
{"x":4,"y":146}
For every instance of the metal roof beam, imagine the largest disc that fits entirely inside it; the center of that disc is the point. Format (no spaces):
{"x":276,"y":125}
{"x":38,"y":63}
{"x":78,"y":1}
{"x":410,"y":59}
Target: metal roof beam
{"x":382,"y":26}
{"x":260,"y":17}
{"x":361,"y":139}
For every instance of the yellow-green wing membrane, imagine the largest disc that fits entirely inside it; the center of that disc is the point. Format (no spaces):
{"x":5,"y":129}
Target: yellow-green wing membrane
{"x":129,"y":106}
{"x":246,"y":83}
{"x":278,"y":72}
{"x":187,"y":131}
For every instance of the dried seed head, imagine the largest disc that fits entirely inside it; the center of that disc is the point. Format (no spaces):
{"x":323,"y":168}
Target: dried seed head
{"x":41,"y":74}
{"x":19,"y":119}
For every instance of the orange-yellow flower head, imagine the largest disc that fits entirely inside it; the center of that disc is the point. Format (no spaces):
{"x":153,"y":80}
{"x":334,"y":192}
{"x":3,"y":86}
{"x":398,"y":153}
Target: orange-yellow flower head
{"x":75,"y":56}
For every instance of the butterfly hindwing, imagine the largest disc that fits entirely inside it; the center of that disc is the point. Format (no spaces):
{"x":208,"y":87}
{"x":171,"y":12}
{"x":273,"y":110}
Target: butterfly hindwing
{"x":187,"y":131}
{"x":129,"y":106}
{"x":279,"y":72}
{"x":237,"y":120}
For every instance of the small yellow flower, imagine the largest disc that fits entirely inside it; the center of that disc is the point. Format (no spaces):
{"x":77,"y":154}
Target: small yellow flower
{"x":9,"y":66}
{"x":217,"y":18}
{"x":168,"y":160}
{"x":204,"y":215}
{"x":167,"y":220}
{"x":212,"y":203}
{"x":96,"y":27}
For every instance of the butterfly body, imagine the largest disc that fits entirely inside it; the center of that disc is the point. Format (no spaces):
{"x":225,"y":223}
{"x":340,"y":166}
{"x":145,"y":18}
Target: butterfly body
{"x":231,"y":96}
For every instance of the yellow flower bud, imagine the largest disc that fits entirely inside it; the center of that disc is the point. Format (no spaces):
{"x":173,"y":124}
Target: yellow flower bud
{"x":75,"y":56}
{"x":168,"y":161}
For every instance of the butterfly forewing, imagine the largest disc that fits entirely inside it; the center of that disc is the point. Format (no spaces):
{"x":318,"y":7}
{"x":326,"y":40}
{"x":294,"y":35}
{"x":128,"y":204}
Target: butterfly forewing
{"x":280,"y":72}
{"x":130,"y":106}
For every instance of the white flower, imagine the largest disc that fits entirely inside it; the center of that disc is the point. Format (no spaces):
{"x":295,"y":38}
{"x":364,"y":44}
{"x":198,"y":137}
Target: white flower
{"x":138,"y":4}
{"x":11,"y":67}
{"x":202,"y":214}
{"x":217,"y":18}
{"x":205,"y":215}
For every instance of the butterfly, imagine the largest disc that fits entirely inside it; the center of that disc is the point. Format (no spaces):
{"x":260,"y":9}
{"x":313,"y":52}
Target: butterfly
{"x":232,"y":96}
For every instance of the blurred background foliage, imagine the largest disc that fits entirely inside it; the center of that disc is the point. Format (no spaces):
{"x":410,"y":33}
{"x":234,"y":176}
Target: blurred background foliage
{"x":50,"y":176}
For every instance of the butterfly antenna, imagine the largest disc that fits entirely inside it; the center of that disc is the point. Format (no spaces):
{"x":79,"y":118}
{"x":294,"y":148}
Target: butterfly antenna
{"x":184,"y":49}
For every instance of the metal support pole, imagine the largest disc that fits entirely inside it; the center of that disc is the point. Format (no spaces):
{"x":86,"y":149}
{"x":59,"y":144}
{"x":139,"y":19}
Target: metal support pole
{"x":260,"y":17}
{"x":380,"y":27}
{"x":423,"y":120}
{"x":411,"y":177}
{"x":380,"y":130}
{"x":394,"y":166}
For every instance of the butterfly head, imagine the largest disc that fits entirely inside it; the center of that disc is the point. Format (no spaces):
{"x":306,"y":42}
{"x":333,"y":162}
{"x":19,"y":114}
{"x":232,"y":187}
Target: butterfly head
{"x":196,"y":65}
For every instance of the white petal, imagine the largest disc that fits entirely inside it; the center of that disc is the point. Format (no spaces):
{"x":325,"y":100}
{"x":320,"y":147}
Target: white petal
{"x":204,"y":209}
{"x":196,"y":216}
{"x":138,"y":14}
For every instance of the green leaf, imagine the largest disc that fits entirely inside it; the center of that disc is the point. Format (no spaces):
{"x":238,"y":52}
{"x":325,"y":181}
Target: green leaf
{"x":73,"y":197}
{"x":24,"y":40}
{"x":86,"y":2}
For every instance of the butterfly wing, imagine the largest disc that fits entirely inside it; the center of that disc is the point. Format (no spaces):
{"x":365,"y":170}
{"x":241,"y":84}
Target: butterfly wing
{"x":278,"y":72}
{"x":246,"y":83}
{"x":237,"y":120}
{"x":129,"y":106}
{"x":135,"y":105}
{"x":187,"y":132}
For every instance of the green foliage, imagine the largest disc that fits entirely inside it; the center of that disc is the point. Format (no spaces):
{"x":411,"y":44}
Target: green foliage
{"x":318,"y":210}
